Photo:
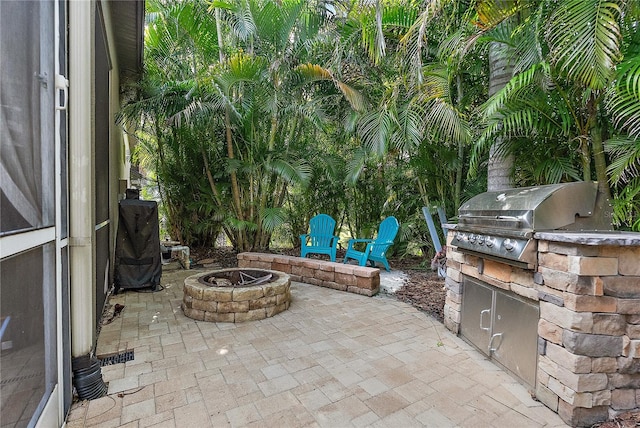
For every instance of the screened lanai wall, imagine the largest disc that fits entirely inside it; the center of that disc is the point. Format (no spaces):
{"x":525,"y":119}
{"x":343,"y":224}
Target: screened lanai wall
{"x":61,"y":165}
{"x":33,"y":249}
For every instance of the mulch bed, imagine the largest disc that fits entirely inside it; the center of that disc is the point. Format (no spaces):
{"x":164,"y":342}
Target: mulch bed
{"x":424,"y":289}
{"x":625,"y":420}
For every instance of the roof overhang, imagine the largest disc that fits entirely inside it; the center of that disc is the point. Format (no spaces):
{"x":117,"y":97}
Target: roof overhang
{"x":128,"y":20}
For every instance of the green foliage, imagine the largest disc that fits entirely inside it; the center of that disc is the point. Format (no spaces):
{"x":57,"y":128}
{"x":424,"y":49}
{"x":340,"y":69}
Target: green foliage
{"x":624,"y":99}
{"x":625,"y":172}
{"x":255,"y":115}
{"x":584,"y":40}
{"x":577,"y":83}
{"x":626,"y":206}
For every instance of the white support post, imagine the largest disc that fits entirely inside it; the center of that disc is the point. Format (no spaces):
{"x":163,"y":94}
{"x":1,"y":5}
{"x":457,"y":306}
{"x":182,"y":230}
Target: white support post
{"x":81,"y":176}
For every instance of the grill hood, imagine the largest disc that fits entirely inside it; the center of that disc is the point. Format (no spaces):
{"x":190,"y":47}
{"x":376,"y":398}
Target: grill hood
{"x":500,"y":225}
{"x":565,"y":206}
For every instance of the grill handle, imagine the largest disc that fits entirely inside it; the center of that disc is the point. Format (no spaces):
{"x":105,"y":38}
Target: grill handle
{"x":482,"y":314}
{"x":492,"y":348}
{"x":498,"y":217}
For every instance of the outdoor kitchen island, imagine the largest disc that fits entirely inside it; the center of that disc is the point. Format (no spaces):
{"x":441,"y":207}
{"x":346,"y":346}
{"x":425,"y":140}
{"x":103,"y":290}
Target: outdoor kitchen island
{"x":566,"y":321}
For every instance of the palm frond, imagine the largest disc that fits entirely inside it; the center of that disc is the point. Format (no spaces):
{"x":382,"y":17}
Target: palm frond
{"x":491,"y":13}
{"x":623,"y":100}
{"x":455,"y":45}
{"x":529,"y":34}
{"x":352,"y":95}
{"x":411,"y":129}
{"x":517,"y":83}
{"x":625,"y":153}
{"x":375,"y":130}
{"x":519,"y":122}
{"x":375,"y":23}
{"x":503,"y":34}
{"x":240,"y":19}
{"x":197,"y":110}
{"x":334,"y":166}
{"x":553,"y":170}
{"x":436,"y":83}
{"x":380,"y":45}
{"x":272,"y":218}
{"x":447,"y":122}
{"x":240,"y":68}
{"x":275,"y":21}
{"x":314,"y":72}
{"x":626,"y":205}
{"x":584,"y":38}
{"x":356,"y":165}
{"x":293,"y":172}
{"x":414,"y":40}
{"x":315,"y":112}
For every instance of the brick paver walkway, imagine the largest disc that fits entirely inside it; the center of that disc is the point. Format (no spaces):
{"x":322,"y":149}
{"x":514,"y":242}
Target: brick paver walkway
{"x":334,"y":359}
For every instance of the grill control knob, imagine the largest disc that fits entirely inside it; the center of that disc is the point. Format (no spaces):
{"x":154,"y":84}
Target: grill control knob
{"x":509,"y":244}
{"x":481,"y":240}
{"x":472,"y":238}
{"x":489,"y":242}
{"x":459,"y":236}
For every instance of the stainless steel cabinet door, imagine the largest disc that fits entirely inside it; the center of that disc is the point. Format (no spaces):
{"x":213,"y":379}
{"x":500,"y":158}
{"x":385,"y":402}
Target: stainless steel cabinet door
{"x":477,"y":309}
{"x":514,"y":341}
{"x":502,"y":326}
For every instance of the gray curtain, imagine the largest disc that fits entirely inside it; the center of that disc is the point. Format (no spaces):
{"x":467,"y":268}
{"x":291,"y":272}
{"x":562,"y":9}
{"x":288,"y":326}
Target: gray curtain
{"x":26,"y":115}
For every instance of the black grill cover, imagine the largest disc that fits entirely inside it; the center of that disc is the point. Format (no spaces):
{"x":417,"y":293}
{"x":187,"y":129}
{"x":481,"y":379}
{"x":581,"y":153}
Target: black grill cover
{"x":138,"y":263}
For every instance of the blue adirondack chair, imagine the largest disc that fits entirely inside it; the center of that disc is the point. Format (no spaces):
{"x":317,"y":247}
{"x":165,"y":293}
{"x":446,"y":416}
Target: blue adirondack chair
{"x":320,"y":239}
{"x":376,"y":248}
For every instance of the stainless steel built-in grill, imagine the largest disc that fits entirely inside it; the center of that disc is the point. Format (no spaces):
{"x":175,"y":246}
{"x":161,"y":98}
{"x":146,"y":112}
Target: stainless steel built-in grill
{"x":500,"y":225}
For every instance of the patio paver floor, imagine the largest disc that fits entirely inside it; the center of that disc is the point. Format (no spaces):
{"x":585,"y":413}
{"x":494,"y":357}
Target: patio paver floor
{"x":334,"y":359}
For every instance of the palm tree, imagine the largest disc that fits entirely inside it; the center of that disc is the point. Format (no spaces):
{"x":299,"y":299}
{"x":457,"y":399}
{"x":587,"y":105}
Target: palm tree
{"x":415,"y":92}
{"x":574,"y":80}
{"x":176,"y":34}
{"x":240,"y":103}
{"x":498,"y":19}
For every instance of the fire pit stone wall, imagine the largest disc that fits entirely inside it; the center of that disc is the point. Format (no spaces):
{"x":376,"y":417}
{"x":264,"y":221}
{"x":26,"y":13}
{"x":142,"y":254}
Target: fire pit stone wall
{"x":362,"y":280}
{"x":207,"y":302}
{"x":587,"y":286}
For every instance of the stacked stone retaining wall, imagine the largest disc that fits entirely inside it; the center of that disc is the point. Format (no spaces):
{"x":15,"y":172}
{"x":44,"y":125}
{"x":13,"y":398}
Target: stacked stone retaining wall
{"x":588,"y":289}
{"x":338,"y":276}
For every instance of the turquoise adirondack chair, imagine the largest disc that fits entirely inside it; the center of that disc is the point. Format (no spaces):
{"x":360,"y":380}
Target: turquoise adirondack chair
{"x":320,"y":239}
{"x":376,"y":248}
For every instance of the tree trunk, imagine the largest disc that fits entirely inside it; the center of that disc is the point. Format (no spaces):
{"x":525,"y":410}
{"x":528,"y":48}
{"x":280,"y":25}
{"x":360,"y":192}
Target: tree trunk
{"x":600,"y":162}
{"x":459,"y":169}
{"x":595,"y":132}
{"x":500,"y":165}
{"x":212,"y":183}
{"x":235,"y":191}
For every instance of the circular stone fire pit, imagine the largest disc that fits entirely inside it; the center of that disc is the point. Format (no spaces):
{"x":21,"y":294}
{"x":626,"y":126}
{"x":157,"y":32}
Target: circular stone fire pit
{"x":236,"y":295}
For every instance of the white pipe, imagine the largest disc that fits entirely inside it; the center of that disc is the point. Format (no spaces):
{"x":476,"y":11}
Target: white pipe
{"x":81,"y":176}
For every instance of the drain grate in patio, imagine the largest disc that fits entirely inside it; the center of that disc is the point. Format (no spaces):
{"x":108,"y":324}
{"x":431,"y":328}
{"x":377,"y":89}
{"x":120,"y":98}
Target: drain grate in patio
{"x":122,"y":357}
